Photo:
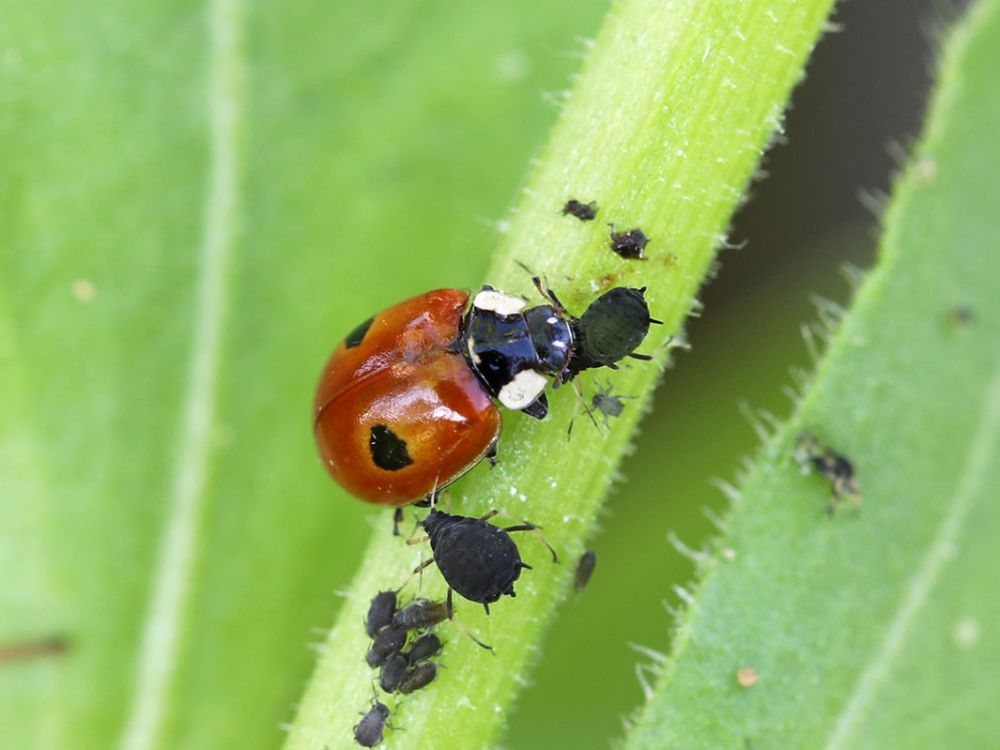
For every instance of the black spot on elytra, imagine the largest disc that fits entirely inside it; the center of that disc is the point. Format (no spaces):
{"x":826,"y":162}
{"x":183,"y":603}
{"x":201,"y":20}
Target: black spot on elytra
{"x":388,"y":449}
{"x":356,"y":336}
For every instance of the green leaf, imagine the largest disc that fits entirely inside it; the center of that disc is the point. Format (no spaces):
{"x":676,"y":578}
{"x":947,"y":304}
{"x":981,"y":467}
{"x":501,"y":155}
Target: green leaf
{"x":198,"y":200}
{"x":874,"y":628}
{"x":664,"y":129}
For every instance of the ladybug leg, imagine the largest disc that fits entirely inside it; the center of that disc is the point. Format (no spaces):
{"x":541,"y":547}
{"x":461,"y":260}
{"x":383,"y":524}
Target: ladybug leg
{"x":397,"y":518}
{"x":539,"y":408}
{"x":542,"y":285}
{"x":643,"y":357}
{"x":491,"y":453}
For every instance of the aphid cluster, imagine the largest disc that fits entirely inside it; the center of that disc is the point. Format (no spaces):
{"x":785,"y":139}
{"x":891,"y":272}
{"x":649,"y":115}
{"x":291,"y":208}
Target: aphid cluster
{"x":402,"y":642}
{"x":410,"y":401}
{"x":402,"y":647}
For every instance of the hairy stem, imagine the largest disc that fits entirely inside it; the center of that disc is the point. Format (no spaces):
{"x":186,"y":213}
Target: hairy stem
{"x":675,"y":106}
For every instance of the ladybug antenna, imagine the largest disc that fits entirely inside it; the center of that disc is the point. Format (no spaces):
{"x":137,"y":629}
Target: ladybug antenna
{"x":542,"y":285}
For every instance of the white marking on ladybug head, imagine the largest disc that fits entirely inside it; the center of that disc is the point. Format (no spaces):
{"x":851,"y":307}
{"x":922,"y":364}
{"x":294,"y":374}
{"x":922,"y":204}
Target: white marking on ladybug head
{"x":502,"y":304}
{"x":526,"y":386}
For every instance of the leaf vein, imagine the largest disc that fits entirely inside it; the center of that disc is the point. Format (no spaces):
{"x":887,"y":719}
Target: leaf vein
{"x":157,"y":657}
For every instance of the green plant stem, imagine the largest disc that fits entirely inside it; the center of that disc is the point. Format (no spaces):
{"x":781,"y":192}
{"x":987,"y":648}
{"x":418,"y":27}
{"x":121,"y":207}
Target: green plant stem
{"x":664,"y":129}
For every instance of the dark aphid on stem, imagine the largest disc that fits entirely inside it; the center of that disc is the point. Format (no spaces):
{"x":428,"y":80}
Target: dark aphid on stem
{"x":477,"y":559}
{"x":368,"y":731}
{"x":609,"y":330}
{"x":381,"y":612}
{"x":629,"y":244}
{"x":423,"y":613}
{"x":388,"y":641}
{"x":607,"y":404}
{"x":419,"y":677}
{"x":584,"y":569}
{"x":579,"y":209}
{"x":423,"y":648}
{"x":394,"y":671}
{"x":420,"y":614}
{"x":836,"y":467}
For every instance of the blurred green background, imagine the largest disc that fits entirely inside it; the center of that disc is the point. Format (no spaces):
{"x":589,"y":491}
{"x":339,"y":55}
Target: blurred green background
{"x":381,"y":147}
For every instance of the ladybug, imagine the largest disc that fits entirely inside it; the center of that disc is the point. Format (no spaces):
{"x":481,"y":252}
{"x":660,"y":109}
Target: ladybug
{"x":406,"y":403}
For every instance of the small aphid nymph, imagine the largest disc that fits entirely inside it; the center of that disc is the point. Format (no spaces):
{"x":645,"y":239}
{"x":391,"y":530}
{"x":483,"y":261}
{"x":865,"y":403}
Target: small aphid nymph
{"x":630,"y":244}
{"x":836,"y":467}
{"x":584,"y":569}
{"x":579,"y":209}
{"x":368,"y":731}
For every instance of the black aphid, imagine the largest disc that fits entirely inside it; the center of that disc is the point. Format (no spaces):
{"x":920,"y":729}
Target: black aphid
{"x":368,"y":731}
{"x":609,"y":330}
{"x":579,"y":209}
{"x":420,"y":614}
{"x":395,"y":670}
{"x":423,"y":648}
{"x":836,"y":467}
{"x":477,"y":559}
{"x":584,"y":569}
{"x":387,"y":642}
{"x":629,"y":245}
{"x":419,"y":677}
{"x":380,"y":612}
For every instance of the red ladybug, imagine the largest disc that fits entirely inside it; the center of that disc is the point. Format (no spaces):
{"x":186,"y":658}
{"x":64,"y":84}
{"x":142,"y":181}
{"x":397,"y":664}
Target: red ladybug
{"x":398,"y":410}
{"x":405,"y":405}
